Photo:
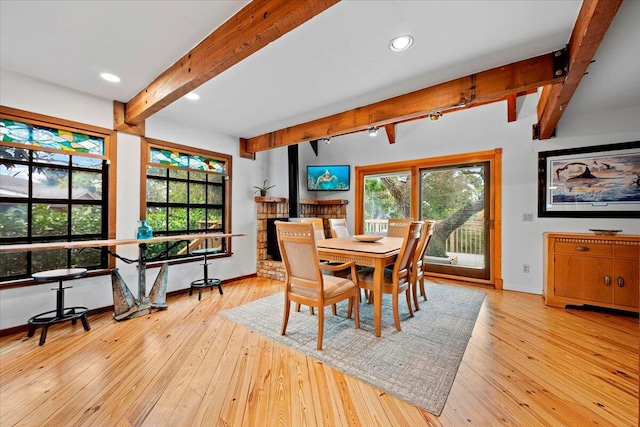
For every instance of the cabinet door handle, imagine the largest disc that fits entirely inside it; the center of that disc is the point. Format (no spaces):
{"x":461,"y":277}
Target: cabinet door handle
{"x":582,"y":248}
{"x":607,"y":280}
{"x":620,"y":281}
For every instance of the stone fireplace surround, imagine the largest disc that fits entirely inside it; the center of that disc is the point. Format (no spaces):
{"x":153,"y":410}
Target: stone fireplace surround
{"x":278,"y":207}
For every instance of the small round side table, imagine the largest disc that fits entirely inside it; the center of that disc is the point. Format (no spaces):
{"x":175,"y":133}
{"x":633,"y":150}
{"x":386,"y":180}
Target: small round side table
{"x":61,"y":313}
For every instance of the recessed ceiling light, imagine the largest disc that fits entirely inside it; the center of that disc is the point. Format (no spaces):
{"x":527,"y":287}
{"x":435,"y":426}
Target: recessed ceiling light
{"x":192,"y":96}
{"x":401,"y":43}
{"x":373,"y":131}
{"x":110,"y":77}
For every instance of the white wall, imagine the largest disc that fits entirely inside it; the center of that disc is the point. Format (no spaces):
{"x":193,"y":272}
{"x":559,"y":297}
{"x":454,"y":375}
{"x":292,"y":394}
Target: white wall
{"x":17,"y":305}
{"x":476,"y":129}
{"x":484,"y":128}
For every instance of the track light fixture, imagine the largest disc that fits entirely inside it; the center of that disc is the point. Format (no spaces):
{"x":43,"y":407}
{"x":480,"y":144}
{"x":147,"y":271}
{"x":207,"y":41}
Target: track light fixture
{"x":373,"y":131}
{"x":326,"y":140}
{"x":435,"y":116}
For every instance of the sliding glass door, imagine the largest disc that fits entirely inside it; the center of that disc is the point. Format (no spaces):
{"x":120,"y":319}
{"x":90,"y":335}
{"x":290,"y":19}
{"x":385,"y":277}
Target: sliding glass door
{"x":461,"y":192}
{"x":456,"y":197}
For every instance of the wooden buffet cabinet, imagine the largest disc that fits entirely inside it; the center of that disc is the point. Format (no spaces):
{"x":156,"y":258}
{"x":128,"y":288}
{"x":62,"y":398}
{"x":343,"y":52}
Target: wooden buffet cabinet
{"x":589,"y":269}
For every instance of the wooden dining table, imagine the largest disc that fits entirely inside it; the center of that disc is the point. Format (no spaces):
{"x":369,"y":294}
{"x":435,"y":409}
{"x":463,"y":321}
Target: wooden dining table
{"x":377,"y":254}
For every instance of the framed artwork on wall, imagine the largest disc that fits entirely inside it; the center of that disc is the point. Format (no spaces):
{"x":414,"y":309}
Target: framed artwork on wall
{"x":590,"y":182}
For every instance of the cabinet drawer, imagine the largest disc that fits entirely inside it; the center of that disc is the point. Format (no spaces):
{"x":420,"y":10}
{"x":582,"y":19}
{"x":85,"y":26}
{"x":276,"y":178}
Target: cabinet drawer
{"x":587,"y":249}
{"x":626,"y":251}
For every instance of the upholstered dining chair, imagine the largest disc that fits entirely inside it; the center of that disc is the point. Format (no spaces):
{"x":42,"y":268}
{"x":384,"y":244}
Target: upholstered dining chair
{"x":318,"y":227}
{"x":398,"y":280}
{"x":305,"y":283}
{"x":338,"y":227}
{"x":397,"y":227}
{"x":417,"y":264}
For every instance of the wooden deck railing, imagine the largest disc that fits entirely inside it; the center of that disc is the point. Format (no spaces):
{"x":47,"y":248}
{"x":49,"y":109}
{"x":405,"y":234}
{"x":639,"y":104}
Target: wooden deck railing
{"x":468,"y":239}
{"x":201,"y":243}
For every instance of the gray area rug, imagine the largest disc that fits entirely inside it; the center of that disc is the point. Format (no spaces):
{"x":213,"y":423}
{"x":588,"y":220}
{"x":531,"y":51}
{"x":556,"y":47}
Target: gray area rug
{"x":417,"y":365}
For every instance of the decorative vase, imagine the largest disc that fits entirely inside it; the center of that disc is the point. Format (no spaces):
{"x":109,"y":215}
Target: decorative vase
{"x":144,"y":230}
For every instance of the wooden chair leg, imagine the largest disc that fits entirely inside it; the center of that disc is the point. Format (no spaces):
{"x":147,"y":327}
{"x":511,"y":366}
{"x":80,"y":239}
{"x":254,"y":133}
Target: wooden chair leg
{"x":414,"y":292}
{"x":320,"y":326}
{"x":422,"y":291}
{"x":298,"y":308}
{"x":408,"y":294}
{"x":356,"y":309}
{"x":350,"y":308}
{"x":312,"y":310}
{"x":334,"y":310}
{"x":285,"y":318}
{"x":396,"y":315}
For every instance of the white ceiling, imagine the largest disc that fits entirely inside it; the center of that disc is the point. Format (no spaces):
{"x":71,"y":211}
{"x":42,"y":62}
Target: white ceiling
{"x":337,"y":61}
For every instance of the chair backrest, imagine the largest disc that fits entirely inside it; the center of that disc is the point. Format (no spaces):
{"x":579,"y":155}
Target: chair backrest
{"x":401,"y":270}
{"x":298,"y":249}
{"x":421,"y":249}
{"x":318,"y":226}
{"x":338,"y":227}
{"x":397,"y":227}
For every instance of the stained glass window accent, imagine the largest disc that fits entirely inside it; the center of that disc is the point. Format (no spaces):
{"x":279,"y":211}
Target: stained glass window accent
{"x":42,"y":136}
{"x":183,"y":160}
{"x":187,"y":191}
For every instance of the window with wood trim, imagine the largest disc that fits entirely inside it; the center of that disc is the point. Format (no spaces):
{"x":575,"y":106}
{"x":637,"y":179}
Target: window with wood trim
{"x":55,"y":179}
{"x":186,"y":190}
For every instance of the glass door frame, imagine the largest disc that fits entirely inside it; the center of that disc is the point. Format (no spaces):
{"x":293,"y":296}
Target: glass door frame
{"x":453,"y":269}
{"x":493,"y":157}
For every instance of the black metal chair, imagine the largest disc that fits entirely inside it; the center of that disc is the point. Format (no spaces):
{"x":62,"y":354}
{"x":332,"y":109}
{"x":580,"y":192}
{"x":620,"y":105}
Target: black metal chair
{"x":206,"y":281}
{"x":61,"y":313}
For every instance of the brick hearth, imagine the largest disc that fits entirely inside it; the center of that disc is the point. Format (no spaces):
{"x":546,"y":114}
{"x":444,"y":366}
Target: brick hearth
{"x":278,"y":207}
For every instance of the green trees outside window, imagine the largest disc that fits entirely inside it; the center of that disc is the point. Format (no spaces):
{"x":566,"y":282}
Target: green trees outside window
{"x":183,"y":201}
{"x":452,"y":196}
{"x":48,"y":197}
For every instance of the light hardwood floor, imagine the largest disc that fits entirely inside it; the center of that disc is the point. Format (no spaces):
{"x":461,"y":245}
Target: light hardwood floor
{"x":525,"y":365}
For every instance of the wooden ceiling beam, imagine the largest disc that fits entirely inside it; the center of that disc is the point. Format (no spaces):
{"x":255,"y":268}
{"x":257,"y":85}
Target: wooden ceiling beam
{"x":511,"y":108}
{"x":391,"y":132}
{"x":243,"y":150}
{"x":252,"y":28}
{"x":120,"y":125}
{"x":474,"y":104}
{"x":489,"y":85}
{"x":592,"y":23}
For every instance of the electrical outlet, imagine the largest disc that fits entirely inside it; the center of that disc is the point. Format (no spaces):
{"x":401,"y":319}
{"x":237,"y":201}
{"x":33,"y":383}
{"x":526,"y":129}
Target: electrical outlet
{"x":527,"y":217}
{"x":525,"y":268}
